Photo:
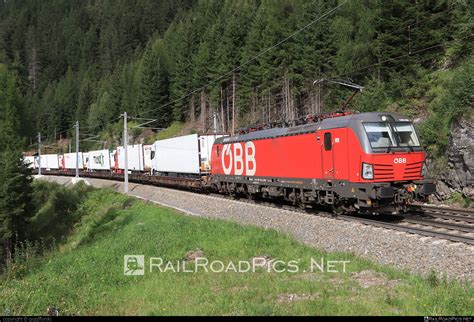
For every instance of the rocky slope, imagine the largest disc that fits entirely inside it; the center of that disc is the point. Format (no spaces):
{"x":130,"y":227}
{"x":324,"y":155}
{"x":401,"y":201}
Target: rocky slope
{"x":458,"y":174}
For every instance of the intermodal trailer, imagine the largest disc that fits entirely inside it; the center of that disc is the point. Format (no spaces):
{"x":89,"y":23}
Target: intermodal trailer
{"x":49,"y":161}
{"x":99,"y":160}
{"x":69,"y":160}
{"x":135,"y":157}
{"x":184,"y":155}
{"x":85,"y":160}
{"x":148,"y":156}
{"x":113,"y":160}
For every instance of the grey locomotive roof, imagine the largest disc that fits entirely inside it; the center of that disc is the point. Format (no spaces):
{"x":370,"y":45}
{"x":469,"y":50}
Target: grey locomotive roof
{"x":329,"y":123}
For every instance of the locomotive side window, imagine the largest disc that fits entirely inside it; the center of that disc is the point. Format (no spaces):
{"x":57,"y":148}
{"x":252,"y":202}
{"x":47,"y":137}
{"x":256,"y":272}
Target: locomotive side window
{"x":218,"y":150}
{"x":327,"y":141}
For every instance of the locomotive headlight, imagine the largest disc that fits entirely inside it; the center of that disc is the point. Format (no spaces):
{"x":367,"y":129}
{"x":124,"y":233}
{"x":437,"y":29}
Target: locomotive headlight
{"x":424,"y":170}
{"x":367,"y":171}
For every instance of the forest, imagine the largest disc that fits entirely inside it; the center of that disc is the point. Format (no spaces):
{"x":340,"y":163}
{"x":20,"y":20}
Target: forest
{"x":246,"y":61}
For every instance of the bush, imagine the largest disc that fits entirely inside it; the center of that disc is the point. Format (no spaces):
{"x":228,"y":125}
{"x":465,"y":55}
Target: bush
{"x":55,"y":210}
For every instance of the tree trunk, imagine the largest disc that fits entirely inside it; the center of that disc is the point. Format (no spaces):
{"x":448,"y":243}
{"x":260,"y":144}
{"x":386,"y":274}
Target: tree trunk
{"x":233,"y":104}
{"x":192,"y":109}
{"x":33,"y":70}
{"x":227,"y":107}
{"x":203,"y":111}
{"x":7,"y":250}
{"x":222,"y":111}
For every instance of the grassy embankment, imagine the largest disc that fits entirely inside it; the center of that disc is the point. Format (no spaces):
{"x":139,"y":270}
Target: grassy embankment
{"x":84,"y":274}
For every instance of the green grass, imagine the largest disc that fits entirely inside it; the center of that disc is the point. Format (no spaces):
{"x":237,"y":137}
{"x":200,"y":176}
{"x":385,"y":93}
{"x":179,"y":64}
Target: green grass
{"x":457,"y":198}
{"x":85,"y":275}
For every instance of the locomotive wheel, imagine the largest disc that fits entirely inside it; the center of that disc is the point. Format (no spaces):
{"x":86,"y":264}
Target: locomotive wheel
{"x":342,"y":207}
{"x":337,"y":209}
{"x":301,"y":205}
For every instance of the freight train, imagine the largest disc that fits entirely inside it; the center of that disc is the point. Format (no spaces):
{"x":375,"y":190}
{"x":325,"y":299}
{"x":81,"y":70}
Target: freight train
{"x":366,"y":163}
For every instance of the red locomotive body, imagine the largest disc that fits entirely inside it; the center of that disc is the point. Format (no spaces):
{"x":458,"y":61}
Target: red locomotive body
{"x":370,"y":161}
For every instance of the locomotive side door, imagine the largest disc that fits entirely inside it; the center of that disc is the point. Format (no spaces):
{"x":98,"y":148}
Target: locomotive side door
{"x":327,"y":153}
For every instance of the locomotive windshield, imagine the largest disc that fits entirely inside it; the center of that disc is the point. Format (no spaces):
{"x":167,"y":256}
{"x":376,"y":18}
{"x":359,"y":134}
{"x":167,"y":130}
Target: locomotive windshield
{"x":396,"y":134}
{"x":380,"y":135}
{"x":405,"y":134}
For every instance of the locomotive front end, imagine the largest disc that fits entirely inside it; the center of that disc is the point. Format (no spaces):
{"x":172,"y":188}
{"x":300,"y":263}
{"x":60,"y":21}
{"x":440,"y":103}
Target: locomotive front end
{"x":393,"y":163}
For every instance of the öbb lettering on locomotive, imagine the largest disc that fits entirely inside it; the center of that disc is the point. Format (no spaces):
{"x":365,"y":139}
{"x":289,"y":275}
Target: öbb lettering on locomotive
{"x":239,"y":159}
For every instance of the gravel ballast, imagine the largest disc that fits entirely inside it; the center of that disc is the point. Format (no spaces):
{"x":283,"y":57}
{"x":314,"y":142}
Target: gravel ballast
{"x":402,"y":250}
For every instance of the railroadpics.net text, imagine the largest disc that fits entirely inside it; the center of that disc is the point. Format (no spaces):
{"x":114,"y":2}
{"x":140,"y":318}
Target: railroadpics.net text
{"x":137,"y":265}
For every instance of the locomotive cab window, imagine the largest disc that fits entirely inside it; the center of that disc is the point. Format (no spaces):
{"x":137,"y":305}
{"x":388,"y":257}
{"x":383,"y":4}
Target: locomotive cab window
{"x":405,"y":134}
{"x":379,"y":134}
{"x":218,"y":151}
{"x":327,"y":141}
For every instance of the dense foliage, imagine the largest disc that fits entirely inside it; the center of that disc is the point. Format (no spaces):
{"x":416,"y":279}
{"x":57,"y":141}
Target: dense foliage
{"x":186,"y":60}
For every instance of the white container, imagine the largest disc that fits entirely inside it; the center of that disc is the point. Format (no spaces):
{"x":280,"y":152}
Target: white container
{"x":36,"y":162}
{"x":206,"y":142}
{"x":70,"y":161}
{"x":99,"y":160}
{"x":189,"y":154}
{"x":135,"y":157}
{"x":30,"y":161}
{"x":85,"y":160}
{"x":49,"y":161}
{"x":113,"y":162}
{"x":148,"y":156}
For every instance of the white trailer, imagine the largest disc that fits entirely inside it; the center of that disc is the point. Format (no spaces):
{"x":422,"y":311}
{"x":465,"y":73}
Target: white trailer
{"x":135,"y":157}
{"x":70,"y":161}
{"x":113,"y":163}
{"x":99,"y":160}
{"x":189,"y":154}
{"x":148,"y":156}
{"x":85,"y":160}
{"x":49,"y":161}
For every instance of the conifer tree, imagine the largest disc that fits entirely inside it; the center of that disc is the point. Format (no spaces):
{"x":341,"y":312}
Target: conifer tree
{"x":15,"y":179}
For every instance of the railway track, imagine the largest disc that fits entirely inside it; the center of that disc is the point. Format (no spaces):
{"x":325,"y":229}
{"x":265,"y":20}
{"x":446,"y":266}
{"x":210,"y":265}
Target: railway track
{"x":414,"y":225}
{"x":451,"y":224}
{"x":456,"y":214}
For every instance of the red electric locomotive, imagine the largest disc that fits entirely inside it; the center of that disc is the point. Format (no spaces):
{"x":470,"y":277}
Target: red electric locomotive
{"x":371,"y":162}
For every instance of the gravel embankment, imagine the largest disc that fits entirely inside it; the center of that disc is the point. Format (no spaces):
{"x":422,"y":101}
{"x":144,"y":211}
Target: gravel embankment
{"x":406,"y":251}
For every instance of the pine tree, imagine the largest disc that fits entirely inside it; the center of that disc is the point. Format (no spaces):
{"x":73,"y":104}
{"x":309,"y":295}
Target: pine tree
{"x":15,"y":179}
{"x":15,"y":198}
{"x":154,"y":87}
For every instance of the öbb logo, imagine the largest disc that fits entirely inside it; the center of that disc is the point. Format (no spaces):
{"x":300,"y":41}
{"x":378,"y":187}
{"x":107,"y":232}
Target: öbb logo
{"x":239,"y":157}
{"x":400,"y":160}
